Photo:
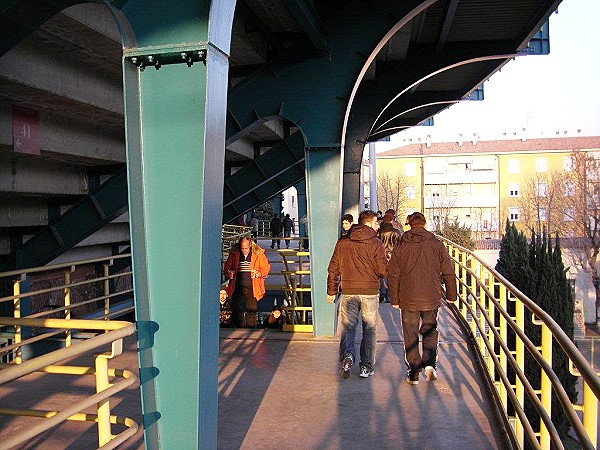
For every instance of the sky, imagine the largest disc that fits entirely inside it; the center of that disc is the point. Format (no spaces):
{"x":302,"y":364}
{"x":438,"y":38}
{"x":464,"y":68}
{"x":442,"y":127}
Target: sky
{"x":533,"y":96}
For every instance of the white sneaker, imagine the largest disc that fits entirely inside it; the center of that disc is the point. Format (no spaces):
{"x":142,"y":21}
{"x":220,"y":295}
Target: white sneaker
{"x":430,"y":373}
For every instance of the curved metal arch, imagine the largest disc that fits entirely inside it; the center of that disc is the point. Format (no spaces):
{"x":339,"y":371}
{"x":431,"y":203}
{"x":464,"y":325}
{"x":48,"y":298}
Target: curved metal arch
{"x":437,"y":72}
{"x":325,"y":128}
{"x":397,"y":27}
{"x":424,"y":105}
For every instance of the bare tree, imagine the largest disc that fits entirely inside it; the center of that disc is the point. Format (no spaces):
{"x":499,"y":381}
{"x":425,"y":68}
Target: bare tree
{"x":439,"y":202}
{"x":580,"y":210}
{"x":541,"y":202}
{"x":485,"y":220}
{"x":391,"y":190}
{"x":568,"y":203}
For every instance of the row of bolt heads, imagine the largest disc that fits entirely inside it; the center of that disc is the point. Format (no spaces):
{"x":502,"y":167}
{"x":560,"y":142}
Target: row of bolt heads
{"x":185,"y":56}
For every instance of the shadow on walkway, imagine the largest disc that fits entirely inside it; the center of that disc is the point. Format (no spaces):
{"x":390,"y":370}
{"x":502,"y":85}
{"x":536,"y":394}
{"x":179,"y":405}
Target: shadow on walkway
{"x":282,"y":390}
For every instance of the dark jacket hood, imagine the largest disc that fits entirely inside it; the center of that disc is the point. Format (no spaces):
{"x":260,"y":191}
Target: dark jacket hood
{"x":418,"y":234}
{"x":361,"y":233}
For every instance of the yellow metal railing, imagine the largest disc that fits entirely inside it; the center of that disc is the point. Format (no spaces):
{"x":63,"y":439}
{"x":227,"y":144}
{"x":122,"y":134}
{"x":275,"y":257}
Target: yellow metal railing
{"x":483,"y":299}
{"x":296,"y":275}
{"x":41,"y":327}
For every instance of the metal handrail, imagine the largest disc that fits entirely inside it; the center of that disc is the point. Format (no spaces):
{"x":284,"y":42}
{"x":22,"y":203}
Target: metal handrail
{"x":477,"y":299}
{"x":112,"y":332}
{"x":116,"y":331}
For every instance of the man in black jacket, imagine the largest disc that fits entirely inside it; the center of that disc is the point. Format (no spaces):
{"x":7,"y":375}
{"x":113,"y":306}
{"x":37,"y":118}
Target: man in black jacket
{"x":357,"y":264}
{"x":275,"y":229}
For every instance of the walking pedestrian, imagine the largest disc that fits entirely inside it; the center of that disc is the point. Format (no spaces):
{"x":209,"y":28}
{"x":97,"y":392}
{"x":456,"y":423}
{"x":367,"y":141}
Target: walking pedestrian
{"x":390,"y":236}
{"x":275,"y":229}
{"x":357,"y":264}
{"x":288,"y":229}
{"x":415,"y":269}
{"x":347,"y":220}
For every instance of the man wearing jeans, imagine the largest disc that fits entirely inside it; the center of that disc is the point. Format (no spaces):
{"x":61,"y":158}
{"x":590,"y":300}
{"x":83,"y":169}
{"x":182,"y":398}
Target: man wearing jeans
{"x":357,"y":264}
{"x":417,"y":265}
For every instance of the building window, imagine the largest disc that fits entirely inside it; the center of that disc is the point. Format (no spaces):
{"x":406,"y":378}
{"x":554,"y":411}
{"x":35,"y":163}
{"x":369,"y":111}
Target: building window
{"x":514,"y":166}
{"x":410,"y":192}
{"x":568,"y":164}
{"x":542,"y":214}
{"x":569,"y":214}
{"x":410,"y":169}
{"x":513,"y":214}
{"x":486,"y":224}
{"x":514,"y":190}
{"x":569,"y":188}
{"x":542,"y":189}
{"x":541,"y":165}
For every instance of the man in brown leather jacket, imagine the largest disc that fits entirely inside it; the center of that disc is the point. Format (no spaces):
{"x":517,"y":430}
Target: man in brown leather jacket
{"x":357,"y":264}
{"x":415,"y":270}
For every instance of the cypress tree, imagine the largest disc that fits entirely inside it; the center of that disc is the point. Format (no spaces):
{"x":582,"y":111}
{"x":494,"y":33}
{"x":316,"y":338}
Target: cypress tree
{"x":537,"y":270}
{"x":549,"y":289}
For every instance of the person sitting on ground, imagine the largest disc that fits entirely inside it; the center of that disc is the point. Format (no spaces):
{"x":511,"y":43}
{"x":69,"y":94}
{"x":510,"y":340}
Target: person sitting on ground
{"x":277,"y":319}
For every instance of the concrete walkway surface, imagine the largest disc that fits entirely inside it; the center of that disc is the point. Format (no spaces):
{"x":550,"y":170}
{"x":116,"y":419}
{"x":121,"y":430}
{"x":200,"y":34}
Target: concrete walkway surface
{"x":282,"y":390}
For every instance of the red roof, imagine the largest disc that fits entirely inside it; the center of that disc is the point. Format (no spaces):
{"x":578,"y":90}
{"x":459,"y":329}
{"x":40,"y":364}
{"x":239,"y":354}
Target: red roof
{"x":494,"y":147}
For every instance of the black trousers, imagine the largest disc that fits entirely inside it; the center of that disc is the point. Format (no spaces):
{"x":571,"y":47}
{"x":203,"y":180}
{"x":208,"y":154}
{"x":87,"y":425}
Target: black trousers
{"x":424,"y":323}
{"x":244,"y":307}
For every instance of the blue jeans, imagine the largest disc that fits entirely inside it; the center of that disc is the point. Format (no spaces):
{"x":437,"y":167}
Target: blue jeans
{"x":350,"y":308}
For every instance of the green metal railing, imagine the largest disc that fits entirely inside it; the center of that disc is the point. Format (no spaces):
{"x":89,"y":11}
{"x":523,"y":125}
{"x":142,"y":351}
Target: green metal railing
{"x":483,"y":300}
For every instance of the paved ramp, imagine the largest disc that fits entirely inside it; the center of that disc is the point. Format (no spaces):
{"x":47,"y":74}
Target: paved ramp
{"x":279,"y":390}
{"x":282,"y":390}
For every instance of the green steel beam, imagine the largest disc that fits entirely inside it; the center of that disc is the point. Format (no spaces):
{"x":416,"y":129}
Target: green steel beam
{"x":271,"y":173}
{"x":103,"y":205}
{"x":173,"y":116}
{"x":314,"y":93}
{"x":308,"y":19}
{"x":323,"y":193}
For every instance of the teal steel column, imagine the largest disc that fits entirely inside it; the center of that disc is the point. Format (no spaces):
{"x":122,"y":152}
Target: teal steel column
{"x":351,"y":201}
{"x":175,"y":125}
{"x":302,"y":227}
{"x":323,"y":192}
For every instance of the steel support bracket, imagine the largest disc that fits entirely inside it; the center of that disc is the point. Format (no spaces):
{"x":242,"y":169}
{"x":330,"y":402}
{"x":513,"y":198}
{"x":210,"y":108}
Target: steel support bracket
{"x":159,"y":56}
{"x":326,"y":148}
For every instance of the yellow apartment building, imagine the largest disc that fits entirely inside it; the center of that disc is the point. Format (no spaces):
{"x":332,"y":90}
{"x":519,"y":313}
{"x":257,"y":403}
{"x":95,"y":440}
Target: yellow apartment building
{"x":479,"y":183}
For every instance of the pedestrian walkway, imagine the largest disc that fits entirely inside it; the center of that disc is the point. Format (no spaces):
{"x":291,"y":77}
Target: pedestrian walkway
{"x":282,"y":390}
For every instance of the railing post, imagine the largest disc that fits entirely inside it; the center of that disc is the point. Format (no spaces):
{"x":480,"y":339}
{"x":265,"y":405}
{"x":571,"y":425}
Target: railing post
{"x":103,"y":407}
{"x":67,"y":300}
{"x":17,"y":315}
{"x":520,"y":359}
{"x":491,"y":310}
{"x":107,"y":289}
{"x":473,"y":294}
{"x":503,"y":336}
{"x":590,"y":414}
{"x":546,"y":386}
